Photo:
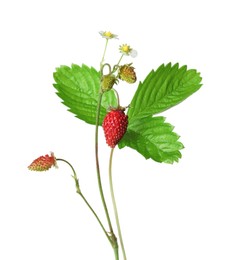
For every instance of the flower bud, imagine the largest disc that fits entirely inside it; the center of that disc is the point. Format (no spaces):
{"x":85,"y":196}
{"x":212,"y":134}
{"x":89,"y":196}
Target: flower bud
{"x":107,"y":82}
{"x":43,"y":163}
{"x":127,"y":73}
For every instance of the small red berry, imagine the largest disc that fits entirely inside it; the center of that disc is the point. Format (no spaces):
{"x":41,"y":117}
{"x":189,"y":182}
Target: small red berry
{"x":43,"y":163}
{"x":115,"y":125}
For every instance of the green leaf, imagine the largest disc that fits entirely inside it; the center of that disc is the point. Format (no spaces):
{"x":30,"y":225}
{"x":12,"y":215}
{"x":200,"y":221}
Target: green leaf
{"x":153,"y":138}
{"x":162,"y":89}
{"x":78,"y":87}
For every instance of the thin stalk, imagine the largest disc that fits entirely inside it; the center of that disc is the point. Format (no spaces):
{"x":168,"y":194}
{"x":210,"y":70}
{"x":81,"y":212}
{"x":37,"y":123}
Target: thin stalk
{"x":120,"y":60}
{"x":98,"y":166}
{"x":117,"y":97}
{"x":117,"y":65}
{"x":103,"y":57}
{"x":87,"y":203}
{"x":114,"y":204}
{"x":113,"y":238}
{"x":116,"y":251}
{"x":111,"y":235}
{"x":83,"y":197}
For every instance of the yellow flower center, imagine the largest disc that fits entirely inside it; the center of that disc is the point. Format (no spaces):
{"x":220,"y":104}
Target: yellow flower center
{"x":125,"y":48}
{"x":108,"y":34}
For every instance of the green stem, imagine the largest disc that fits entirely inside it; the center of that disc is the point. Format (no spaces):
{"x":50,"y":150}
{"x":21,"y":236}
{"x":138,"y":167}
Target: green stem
{"x":117,"y":65}
{"x":98,"y":166}
{"x":120,"y":60}
{"x":116,"y":251}
{"x":87,"y":203}
{"x":103,"y":57}
{"x":83,"y":197}
{"x":114,"y":204}
{"x":113,"y":238}
{"x":117,"y":97}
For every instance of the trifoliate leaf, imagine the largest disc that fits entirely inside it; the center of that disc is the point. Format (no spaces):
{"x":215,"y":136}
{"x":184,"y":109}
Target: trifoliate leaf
{"x":78,"y":87}
{"x":162,"y":89}
{"x":153,"y":138}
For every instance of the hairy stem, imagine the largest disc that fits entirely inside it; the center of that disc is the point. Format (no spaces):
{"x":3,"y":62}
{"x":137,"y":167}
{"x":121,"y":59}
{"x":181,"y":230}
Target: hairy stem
{"x":114,"y":204}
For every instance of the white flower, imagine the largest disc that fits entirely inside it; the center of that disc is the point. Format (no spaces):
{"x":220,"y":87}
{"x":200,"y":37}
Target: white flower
{"x":108,"y":35}
{"x":127,"y":50}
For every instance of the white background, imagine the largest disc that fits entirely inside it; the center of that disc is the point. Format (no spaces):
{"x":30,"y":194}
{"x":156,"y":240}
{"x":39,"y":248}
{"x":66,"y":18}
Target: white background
{"x":185,"y":211}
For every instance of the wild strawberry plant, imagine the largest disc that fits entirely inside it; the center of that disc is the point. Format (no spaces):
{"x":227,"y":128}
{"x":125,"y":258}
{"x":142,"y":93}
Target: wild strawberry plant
{"x":91,"y":95}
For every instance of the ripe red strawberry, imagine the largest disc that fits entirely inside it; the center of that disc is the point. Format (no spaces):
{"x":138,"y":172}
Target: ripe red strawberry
{"x":115,"y":125}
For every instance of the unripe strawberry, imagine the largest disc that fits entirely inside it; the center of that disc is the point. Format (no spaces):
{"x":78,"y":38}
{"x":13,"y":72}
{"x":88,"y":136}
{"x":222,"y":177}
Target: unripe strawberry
{"x":107,"y":82}
{"x":127,"y":73}
{"x":115,"y":125}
